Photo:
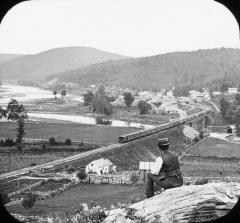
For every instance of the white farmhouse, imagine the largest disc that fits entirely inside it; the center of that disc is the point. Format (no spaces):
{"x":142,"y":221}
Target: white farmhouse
{"x":101,"y":166}
{"x":232,"y":90}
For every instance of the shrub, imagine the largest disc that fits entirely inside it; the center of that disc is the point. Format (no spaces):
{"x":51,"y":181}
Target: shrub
{"x":1,"y":142}
{"x":201,"y":135}
{"x":9,"y":142}
{"x":85,"y":215}
{"x":52,"y":141}
{"x":81,"y":175}
{"x":29,"y":200}
{"x":68,"y":142}
{"x":70,"y":169}
{"x":143,"y":107}
{"x":134,"y":178}
{"x":44,"y":146}
{"x":187,"y":183}
{"x":32,"y":164}
{"x":196,"y":139}
{"x":201,"y":181}
{"x":58,"y":169}
{"x":4,"y":198}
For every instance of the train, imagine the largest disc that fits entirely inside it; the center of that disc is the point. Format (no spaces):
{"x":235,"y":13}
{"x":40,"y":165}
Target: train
{"x":143,"y":133}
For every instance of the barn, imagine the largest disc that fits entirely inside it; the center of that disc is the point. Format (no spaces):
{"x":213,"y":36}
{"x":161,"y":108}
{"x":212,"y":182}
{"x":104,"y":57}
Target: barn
{"x":101,"y":166}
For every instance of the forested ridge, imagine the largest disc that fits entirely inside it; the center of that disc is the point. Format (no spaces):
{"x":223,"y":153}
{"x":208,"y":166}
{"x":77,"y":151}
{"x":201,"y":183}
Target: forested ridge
{"x":202,"y":68}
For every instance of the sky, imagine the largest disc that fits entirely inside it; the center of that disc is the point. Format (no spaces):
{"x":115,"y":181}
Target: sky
{"x":129,"y":27}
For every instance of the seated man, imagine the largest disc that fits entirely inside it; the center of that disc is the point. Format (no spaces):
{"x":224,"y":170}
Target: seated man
{"x":166,"y":171}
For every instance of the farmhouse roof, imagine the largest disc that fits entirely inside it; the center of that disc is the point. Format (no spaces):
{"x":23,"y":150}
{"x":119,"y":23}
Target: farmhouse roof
{"x":101,"y":162}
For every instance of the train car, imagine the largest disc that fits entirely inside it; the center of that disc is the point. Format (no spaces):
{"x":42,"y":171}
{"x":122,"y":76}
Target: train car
{"x":137,"y":135}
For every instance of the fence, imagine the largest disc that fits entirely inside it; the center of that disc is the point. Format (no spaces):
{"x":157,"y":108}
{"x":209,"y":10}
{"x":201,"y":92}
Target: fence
{"x":108,"y":179}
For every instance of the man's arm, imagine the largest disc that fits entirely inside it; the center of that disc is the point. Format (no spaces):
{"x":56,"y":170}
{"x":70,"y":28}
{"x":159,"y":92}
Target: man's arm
{"x":157,"y":166}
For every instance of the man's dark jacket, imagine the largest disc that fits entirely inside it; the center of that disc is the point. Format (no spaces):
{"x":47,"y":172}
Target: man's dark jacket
{"x":170,"y":170}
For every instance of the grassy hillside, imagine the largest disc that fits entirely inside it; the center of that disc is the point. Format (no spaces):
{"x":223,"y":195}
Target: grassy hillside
{"x":127,"y":157}
{"x":38,"y":66}
{"x":198,"y":68}
{"x":5,"y":57}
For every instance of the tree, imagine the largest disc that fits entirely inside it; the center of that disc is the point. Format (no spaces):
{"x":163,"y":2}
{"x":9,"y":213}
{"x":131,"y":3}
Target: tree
{"x":101,"y":91}
{"x":224,"y":105}
{"x":63,"y":93}
{"x":16,"y":112}
{"x":128,"y":98}
{"x":88,"y":98}
{"x":101,"y":105}
{"x":55,"y":93}
{"x":143,"y":107}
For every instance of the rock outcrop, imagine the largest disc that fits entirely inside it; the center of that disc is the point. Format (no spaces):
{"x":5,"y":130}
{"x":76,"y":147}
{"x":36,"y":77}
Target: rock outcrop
{"x":193,"y":203}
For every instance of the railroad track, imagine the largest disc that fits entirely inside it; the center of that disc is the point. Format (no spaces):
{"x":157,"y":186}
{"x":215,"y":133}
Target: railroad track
{"x":59,"y":161}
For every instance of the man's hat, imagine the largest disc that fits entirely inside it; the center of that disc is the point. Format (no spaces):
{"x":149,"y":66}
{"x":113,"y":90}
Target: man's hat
{"x":163,"y":142}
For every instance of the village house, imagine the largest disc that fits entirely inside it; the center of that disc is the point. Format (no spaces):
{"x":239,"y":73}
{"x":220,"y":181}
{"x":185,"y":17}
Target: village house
{"x":198,"y":96}
{"x":185,"y":100}
{"x":118,"y":102}
{"x":101,"y":166}
{"x":215,"y":93}
{"x":146,"y":95}
{"x":232,"y":90}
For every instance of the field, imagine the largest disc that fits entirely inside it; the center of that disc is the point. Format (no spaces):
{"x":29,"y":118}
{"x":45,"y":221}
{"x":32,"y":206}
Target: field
{"x":212,"y":158}
{"x":102,"y":194}
{"x":18,"y":161}
{"x":88,"y":133}
{"x":14,"y":185}
{"x":217,"y":148}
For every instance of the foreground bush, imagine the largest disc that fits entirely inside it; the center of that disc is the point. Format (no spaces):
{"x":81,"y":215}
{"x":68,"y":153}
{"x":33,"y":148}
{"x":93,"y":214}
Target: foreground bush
{"x":29,"y":200}
{"x":85,"y":215}
{"x":4,"y":198}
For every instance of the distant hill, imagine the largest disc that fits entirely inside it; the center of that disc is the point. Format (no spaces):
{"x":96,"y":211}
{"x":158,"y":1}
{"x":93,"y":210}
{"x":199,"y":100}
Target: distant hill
{"x":4,"y":57}
{"x":197,"y":68}
{"x":39,"y":66}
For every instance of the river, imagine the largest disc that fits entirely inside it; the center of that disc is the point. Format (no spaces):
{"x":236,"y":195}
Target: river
{"x":27,"y":94}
